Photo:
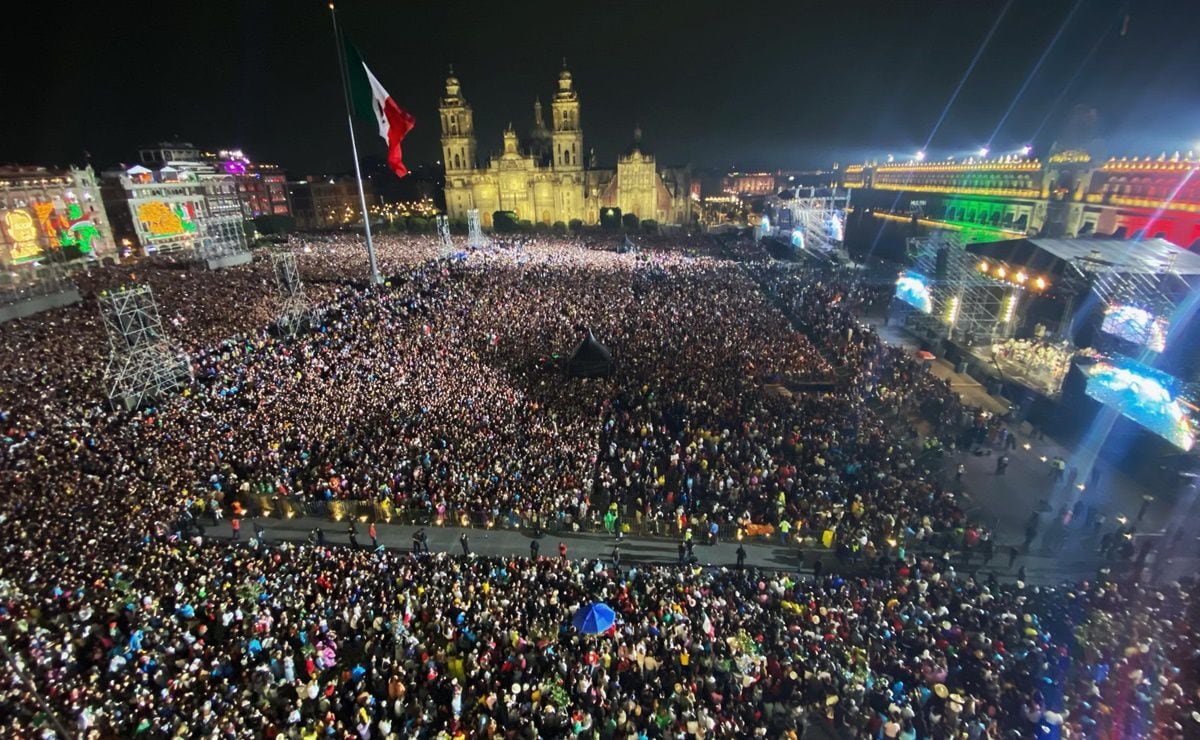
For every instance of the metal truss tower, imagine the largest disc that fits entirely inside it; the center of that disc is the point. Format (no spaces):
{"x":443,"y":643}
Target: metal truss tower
{"x":443,"y":228}
{"x":475,"y":238}
{"x":294,"y":309}
{"x":969,"y":306}
{"x":143,"y":364}
{"x":818,"y":220}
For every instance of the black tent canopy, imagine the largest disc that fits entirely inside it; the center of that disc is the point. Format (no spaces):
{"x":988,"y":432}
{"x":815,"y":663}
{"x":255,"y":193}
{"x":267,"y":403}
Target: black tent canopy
{"x":590,"y":359}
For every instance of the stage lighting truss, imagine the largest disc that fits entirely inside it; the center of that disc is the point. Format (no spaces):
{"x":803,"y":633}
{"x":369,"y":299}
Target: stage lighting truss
{"x":143,"y":364}
{"x":968,"y":305}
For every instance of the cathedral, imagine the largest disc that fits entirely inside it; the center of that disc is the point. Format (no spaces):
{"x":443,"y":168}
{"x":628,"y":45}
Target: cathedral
{"x":548,"y":178}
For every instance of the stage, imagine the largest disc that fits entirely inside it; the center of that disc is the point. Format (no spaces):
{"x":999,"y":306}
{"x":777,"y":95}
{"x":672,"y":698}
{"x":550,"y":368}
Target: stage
{"x":1067,"y":329}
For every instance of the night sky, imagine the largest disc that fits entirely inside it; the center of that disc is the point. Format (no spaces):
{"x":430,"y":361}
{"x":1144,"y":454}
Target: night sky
{"x":729,"y":84}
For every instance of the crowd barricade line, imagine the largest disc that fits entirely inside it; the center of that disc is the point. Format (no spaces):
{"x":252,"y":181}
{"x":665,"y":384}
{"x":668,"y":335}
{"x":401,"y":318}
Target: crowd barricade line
{"x":347,"y":510}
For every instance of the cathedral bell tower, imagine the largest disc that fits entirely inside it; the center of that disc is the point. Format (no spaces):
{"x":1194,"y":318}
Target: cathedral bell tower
{"x":458,"y":129}
{"x":567,"y":136}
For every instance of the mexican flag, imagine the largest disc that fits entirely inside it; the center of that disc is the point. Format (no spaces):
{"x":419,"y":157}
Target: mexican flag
{"x":373,"y":103}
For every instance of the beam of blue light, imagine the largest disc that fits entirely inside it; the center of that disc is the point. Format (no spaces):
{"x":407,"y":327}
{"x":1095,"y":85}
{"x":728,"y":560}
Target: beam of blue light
{"x":1097,"y":434}
{"x":945,"y":110}
{"x":970,"y":67}
{"x":1033,"y":72}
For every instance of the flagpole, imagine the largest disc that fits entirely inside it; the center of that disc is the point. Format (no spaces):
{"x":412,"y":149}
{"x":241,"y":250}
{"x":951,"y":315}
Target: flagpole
{"x":362,"y":196}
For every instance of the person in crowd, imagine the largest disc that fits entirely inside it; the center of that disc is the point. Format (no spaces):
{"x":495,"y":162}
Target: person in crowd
{"x":438,"y":396}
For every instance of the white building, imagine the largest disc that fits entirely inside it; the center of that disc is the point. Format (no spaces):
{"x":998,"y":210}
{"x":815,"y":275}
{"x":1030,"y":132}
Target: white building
{"x":180,"y":206}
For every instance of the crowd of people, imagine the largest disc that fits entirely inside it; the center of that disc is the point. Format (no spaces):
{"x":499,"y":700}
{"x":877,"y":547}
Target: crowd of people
{"x":741,"y":395}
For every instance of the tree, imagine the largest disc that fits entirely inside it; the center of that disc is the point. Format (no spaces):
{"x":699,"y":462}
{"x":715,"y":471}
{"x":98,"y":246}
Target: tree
{"x":504,"y":222}
{"x":610,"y":219}
{"x":541,"y":227}
{"x":560,"y":228}
{"x":525,"y":226}
{"x":630,"y":221}
{"x":458,"y":226}
{"x":650,"y":226}
{"x":576,"y":225}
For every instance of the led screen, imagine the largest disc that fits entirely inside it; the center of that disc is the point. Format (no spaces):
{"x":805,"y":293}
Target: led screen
{"x":1143,"y":394}
{"x":837,"y":231}
{"x":1137,"y":325}
{"x":913,"y":289}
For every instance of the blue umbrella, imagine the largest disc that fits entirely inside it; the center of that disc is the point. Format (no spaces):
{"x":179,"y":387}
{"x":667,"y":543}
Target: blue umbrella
{"x":594,"y":619}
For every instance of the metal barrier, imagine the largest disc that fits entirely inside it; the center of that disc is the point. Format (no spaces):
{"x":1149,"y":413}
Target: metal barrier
{"x":806,"y":540}
{"x":24,"y":282}
{"x":347,"y":510}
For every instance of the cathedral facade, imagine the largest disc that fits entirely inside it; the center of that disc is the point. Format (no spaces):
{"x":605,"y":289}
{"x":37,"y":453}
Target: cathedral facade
{"x":548,"y":178}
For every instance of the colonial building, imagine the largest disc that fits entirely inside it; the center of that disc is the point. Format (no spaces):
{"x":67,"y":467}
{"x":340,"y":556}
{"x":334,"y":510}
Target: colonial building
{"x":180,"y":206}
{"x":749,"y":183}
{"x":550,"y":178}
{"x":1067,"y":195}
{"x":47,"y":213}
{"x":328,"y":202}
{"x":261,"y":187}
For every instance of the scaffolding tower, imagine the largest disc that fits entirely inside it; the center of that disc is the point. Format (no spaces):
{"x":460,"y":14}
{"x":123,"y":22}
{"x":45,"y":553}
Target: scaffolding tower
{"x":817,"y":220}
{"x":475,"y":238}
{"x":443,"y":229}
{"x":223,"y":245}
{"x":294,"y":309}
{"x":143,"y":364}
{"x":967,"y":305}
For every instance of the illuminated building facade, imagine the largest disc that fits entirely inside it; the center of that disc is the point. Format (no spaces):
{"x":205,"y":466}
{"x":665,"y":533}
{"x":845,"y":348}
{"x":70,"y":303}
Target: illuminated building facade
{"x":328,"y":202}
{"x":550,"y":178}
{"x":1068,"y":195}
{"x":261,"y":187}
{"x":749,"y":183}
{"x":180,"y":206}
{"x":264,"y":191}
{"x":47,"y":211}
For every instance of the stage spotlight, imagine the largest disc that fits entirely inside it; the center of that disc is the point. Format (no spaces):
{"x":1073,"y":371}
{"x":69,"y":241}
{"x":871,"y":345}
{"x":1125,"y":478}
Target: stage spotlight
{"x":921,"y":155}
{"x":1001,"y":272}
{"x":1027,"y":446}
{"x":983,"y":151}
{"x":983,"y":266}
{"x":1026,"y":150}
{"x":1040,"y":283}
{"x":1022,"y":277}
